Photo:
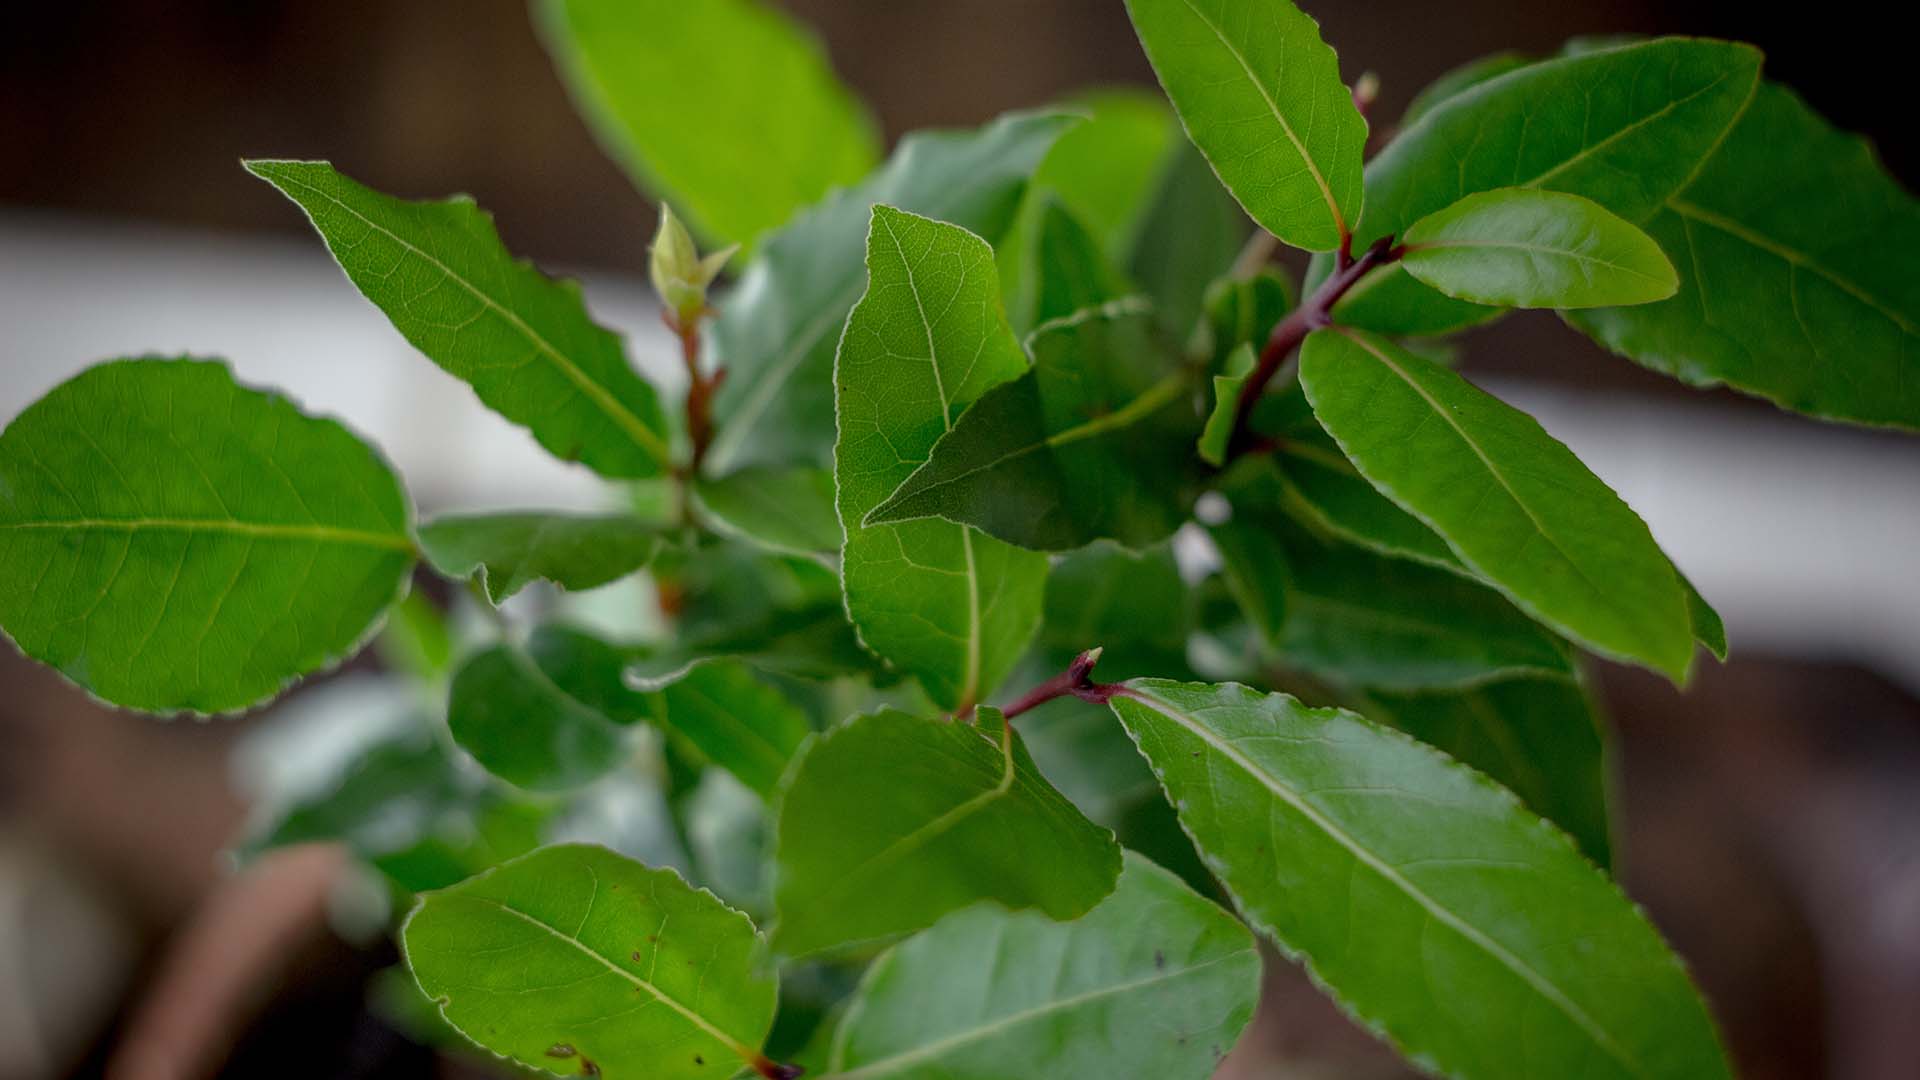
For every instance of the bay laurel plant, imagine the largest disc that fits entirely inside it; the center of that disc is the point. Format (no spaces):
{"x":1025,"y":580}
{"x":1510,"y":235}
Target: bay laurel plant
{"x":1010,"y":487}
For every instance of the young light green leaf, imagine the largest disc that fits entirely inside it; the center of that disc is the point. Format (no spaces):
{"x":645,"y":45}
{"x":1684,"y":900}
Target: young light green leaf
{"x":523,"y":340}
{"x":1458,"y":81}
{"x":726,"y":108}
{"x":510,"y":551}
{"x":778,"y":329}
{"x":785,"y":508}
{"x":1511,"y":501}
{"x":1803,"y":273}
{"x":1470,"y":933}
{"x":1538,"y":737}
{"x":734,"y":720}
{"x":1624,"y":127}
{"x":579,"y":961}
{"x":1226,"y":401}
{"x":1188,"y":235}
{"x":1155,"y":977}
{"x":888,"y":822}
{"x":940,"y":601}
{"x":1095,"y":442}
{"x":547,"y":716}
{"x":174,"y":541}
{"x":1261,"y":96}
{"x":1523,"y":247}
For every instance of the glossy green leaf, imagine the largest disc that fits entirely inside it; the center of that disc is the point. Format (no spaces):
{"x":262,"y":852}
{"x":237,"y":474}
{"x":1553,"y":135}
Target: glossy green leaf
{"x":940,"y":601}
{"x":1800,"y":262}
{"x":1066,"y":270}
{"x":1540,"y":738}
{"x":809,"y":641}
{"x":1439,"y":910}
{"x":1155,"y":979}
{"x":1261,"y":96}
{"x":888,"y":822}
{"x":780,"y":507}
{"x":174,"y":541}
{"x":523,"y":340}
{"x":578,"y":961}
{"x":1106,"y":168}
{"x":1523,"y":247}
{"x":1517,"y":507}
{"x":1131,"y":605}
{"x":778,"y":329}
{"x":1095,"y":442}
{"x":1218,"y":431}
{"x":1188,"y":234}
{"x":547,"y":716}
{"x":734,"y":720}
{"x":1459,"y":80}
{"x":1624,"y":127}
{"x":510,"y":551}
{"x":725,"y":108}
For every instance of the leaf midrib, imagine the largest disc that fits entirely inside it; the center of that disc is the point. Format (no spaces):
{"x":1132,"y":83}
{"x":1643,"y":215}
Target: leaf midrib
{"x":1440,"y":913}
{"x":256,"y":530}
{"x":624,"y":418}
{"x":939,"y":1046}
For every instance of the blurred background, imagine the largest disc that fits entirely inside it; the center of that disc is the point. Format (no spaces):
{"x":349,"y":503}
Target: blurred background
{"x":1770,"y":814}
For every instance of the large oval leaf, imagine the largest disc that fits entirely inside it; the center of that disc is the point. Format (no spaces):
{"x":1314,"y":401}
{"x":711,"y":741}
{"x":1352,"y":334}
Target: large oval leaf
{"x":1261,"y":96}
{"x":1156,"y":981}
{"x":777,"y":330}
{"x":1804,"y":273}
{"x":1425,"y":897}
{"x":724,"y":107}
{"x":522,"y":340}
{"x":943,"y":602}
{"x":1624,"y":127}
{"x":1518,"y":247}
{"x":890,"y":821}
{"x":174,"y":541}
{"x":576,"y":960}
{"x":1511,"y":501}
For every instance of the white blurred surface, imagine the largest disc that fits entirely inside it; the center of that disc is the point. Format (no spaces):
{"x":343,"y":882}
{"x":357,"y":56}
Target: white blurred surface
{"x":1806,"y":536}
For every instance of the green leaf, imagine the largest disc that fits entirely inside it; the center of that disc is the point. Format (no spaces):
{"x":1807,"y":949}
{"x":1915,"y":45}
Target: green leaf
{"x":416,"y":639}
{"x":810,"y":641}
{"x":1511,"y":501}
{"x":1459,"y":80}
{"x":549,"y":716}
{"x":174,"y":541}
{"x":734,"y":720}
{"x":1522,"y":247}
{"x":523,"y":340}
{"x":1708,"y":630}
{"x":576,"y":960}
{"x":1471,"y":934}
{"x":1106,"y":168}
{"x":1538,"y":737}
{"x":726,"y":108}
{"x":1189,"y":234}
{"x":1132,"y":605}
{"x":1066,"y":268}
{"x":777,"y":330}
{"x":1624,"y":127}
{"x":1261,"y":96}
{"x":1226,"y":406}
{"x":940,"y":601}
{"x":1155,"y":977}
{"x":1801,"y":273}
{"x":1350,"y":615}
{"x":1244,"y":311}
{"x":510,"y":551}
{"x":889,"y":821}
{"x":1095,"y":442}
{"x":779,"y":507}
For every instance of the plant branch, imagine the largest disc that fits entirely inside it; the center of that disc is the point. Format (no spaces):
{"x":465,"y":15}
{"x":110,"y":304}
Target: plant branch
{"x":700,"y":386}
{"x":1076,"y":680}
{"x":1314,"y":312}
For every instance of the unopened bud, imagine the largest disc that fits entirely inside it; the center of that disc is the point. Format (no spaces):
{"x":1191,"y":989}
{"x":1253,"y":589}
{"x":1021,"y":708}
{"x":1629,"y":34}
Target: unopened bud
{"x":680,"y":275}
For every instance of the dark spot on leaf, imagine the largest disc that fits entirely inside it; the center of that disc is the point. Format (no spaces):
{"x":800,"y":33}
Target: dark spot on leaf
{"x":560,"y":1050}
{"x":1159,"y":960}
{"x":587,"y":1067}
{"x":653,"y":937}
{"x":698,"y":1060}
{"x":636,"y":955}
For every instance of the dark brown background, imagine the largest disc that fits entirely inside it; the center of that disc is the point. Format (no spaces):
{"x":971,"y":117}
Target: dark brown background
{"x":1766,"y":810}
